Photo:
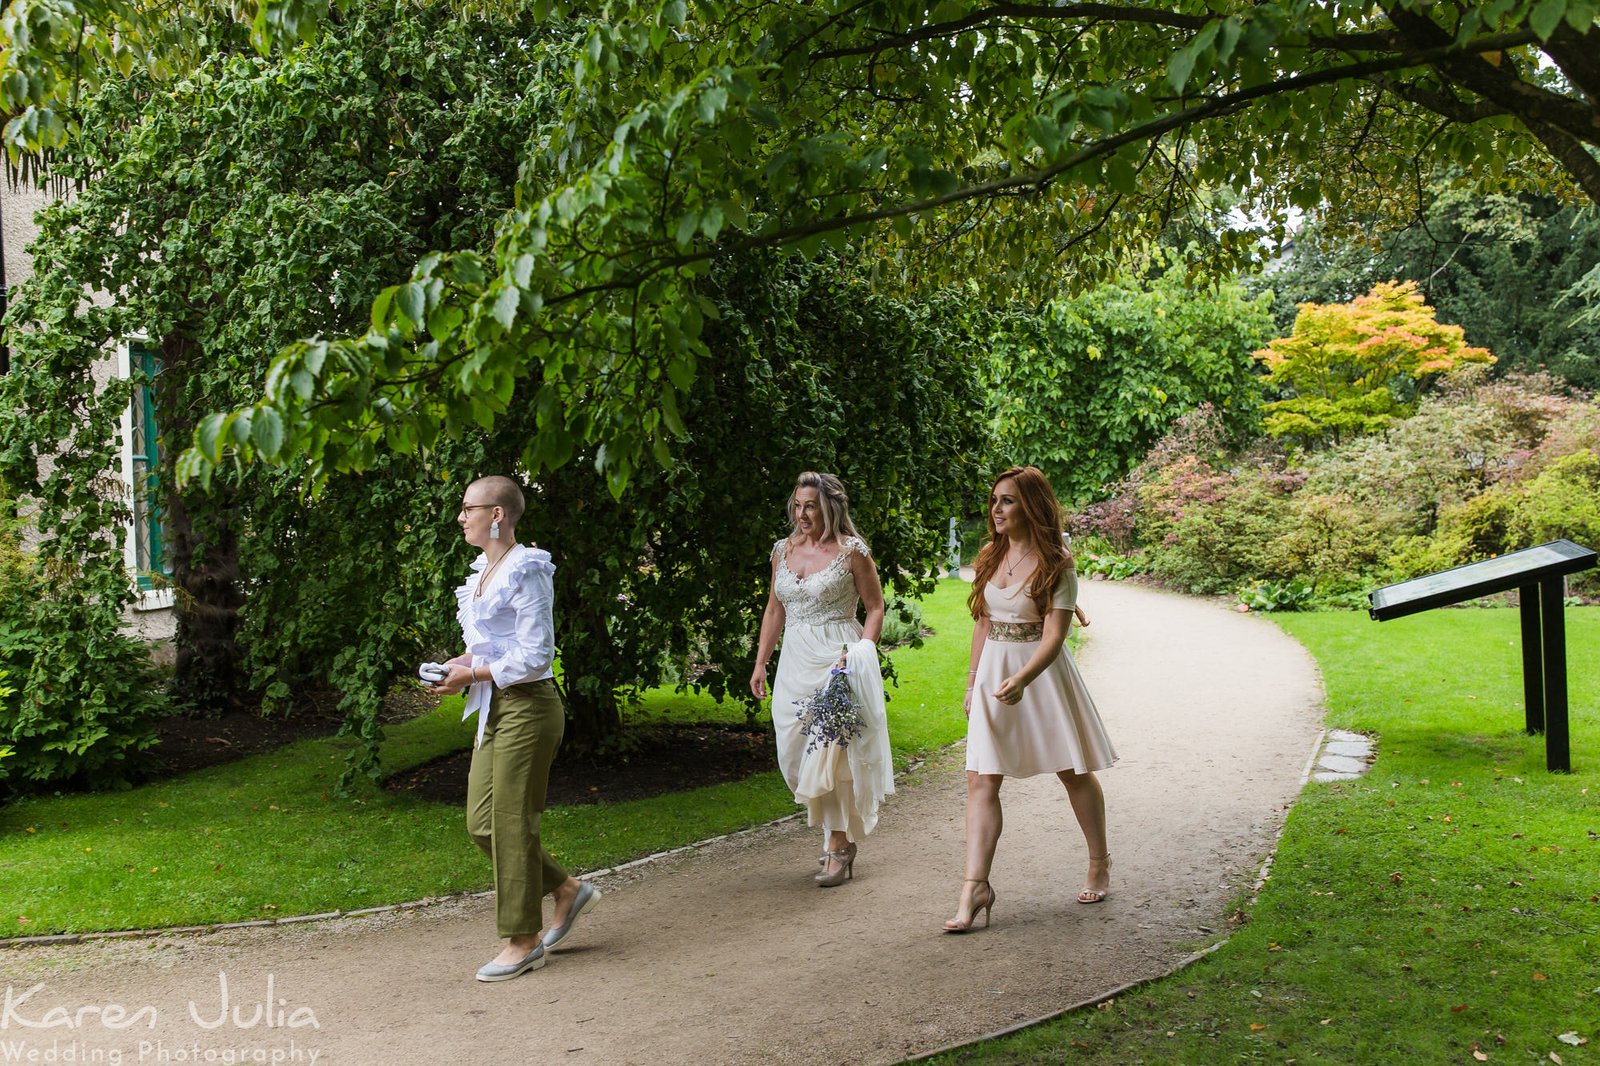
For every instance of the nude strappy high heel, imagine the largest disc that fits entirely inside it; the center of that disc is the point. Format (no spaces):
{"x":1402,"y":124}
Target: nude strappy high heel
{"x":1096,"y":895}
{"x":956,"y":925}
{"x":846,"y":858}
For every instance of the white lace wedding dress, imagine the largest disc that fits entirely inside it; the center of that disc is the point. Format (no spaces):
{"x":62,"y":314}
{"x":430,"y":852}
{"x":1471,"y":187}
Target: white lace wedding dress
{"x":841,"y":787}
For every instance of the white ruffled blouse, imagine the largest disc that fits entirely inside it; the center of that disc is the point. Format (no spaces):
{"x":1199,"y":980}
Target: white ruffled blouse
{"x":511,"y":627}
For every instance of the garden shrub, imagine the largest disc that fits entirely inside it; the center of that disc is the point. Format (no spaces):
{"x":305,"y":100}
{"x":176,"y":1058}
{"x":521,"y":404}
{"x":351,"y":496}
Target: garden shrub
{"x":1563,"y":501}
{"x":902,"y":623}
{"x":1575,"y":430}
{"x":1208,"y":529}
{"x":1093,"y":557}
{"x":1483,"y":467}
{"x":84,"y":693}
{"x":1334,"y":541}
{"x":1480,"y":526}
{"x":1291,"y":595}
{"x":1110,"y":521}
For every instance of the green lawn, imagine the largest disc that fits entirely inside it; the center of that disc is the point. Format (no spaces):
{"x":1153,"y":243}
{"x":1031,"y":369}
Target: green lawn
{"x":1443,"y":909}
{"x":267,"y":836}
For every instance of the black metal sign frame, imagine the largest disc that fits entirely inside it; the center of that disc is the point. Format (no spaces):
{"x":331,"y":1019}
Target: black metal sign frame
{"x":1538,"y":573}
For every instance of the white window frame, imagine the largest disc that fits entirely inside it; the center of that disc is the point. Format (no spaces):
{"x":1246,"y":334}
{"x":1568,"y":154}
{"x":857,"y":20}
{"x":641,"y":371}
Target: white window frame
{"x":149,"y":599}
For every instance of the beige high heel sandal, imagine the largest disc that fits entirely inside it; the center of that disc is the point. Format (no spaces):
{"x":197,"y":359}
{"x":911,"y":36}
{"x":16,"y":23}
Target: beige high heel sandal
{"x":1097,"y":895}
{"x":956,"y":925}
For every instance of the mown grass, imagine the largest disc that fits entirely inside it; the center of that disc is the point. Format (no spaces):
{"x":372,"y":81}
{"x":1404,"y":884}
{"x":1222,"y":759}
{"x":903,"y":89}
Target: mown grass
{"x":1445,"y":908}
{"x":267,"y":836}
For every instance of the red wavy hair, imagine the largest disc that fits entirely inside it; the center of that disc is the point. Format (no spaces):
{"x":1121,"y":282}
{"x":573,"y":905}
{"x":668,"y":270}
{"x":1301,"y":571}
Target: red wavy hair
{"x":1043,"y":517}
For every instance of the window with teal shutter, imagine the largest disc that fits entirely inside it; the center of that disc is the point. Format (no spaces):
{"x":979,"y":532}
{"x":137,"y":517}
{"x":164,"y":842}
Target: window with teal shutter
{"x":149,"y":548}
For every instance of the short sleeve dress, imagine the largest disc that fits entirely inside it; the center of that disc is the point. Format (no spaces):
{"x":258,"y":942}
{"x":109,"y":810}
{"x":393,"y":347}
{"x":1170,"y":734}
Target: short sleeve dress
{"x":1054,"y":726}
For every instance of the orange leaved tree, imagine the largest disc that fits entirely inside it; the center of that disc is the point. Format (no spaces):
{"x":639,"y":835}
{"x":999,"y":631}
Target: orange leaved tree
{"x":1353,"y":368}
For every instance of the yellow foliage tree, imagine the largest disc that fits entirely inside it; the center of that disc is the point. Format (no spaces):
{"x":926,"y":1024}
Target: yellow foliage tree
{"x":1353,"y":368}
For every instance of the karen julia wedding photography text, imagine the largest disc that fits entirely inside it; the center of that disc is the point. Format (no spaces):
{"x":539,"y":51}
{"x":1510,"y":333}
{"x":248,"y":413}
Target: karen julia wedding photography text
{"x":24,"y":1014}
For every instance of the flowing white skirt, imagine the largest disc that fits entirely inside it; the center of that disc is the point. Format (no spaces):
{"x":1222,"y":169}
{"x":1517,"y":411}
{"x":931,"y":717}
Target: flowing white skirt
{"x":841,"y":788}
{"x":1054,"y":726}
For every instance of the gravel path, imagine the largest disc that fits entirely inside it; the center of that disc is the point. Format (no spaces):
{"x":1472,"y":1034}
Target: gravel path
{"x":729,"y":954}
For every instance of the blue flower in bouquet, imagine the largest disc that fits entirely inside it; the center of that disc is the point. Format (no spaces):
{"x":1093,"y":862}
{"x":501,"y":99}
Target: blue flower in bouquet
{"x":829,"y":715}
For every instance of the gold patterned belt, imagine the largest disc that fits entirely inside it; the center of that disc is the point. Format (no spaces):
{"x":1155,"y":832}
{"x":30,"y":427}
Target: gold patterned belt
{"x":1016,"y":632}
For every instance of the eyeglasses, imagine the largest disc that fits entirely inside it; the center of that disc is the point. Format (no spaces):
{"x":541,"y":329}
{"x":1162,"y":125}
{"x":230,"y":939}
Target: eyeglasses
{"x":475,"y":506}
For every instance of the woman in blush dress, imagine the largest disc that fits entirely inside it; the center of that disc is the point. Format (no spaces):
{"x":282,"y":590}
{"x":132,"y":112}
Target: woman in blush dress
{"x":820,"y":572}
{"x":1028,"y":711}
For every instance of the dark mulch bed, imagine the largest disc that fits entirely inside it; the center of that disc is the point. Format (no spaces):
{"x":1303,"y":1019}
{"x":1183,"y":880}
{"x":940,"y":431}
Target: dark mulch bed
{"x":660,"y":758}
{"x":185,"y":743}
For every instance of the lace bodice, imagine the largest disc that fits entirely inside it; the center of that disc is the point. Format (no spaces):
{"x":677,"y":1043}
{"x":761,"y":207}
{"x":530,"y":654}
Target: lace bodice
{"x":827,"y":597}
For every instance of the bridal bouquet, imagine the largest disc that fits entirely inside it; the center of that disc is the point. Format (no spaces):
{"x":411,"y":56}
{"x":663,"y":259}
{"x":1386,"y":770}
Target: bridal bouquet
{"x":829,"y":715}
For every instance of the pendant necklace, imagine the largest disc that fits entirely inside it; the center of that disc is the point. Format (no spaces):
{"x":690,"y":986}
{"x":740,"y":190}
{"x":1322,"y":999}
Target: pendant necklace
{"x":484,"y":577}
{"x":1013,"y":567}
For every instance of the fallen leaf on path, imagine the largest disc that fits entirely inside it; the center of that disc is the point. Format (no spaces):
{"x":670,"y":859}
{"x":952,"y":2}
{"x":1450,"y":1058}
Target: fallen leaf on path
{"x":1480,"y":1056}
{"x":1573,"y":1038}
{"x":1458,"y":1008}
{"x":1537,"y":976}
{"x":1555,"y":1058}
{"x":1256,"y":1025}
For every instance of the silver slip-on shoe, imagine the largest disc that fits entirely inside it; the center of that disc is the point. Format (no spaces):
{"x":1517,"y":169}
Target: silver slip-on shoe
{"x":588,"y":896}
{"x":490,"y":971}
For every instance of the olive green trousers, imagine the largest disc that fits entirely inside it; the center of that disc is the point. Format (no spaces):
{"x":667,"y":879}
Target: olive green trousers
{"x":505,"y":801}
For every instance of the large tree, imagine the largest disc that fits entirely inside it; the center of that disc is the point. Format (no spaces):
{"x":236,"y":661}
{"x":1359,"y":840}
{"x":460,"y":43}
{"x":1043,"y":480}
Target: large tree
{"x":997,"y":139}
{"x":259,"y":200}
{"x":1085,"y":386}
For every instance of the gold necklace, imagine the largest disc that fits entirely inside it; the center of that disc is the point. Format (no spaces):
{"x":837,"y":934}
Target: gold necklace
{"x":484,"y":577}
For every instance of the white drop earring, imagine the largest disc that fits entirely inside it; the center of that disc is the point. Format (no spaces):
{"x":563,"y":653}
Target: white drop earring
{"x":494,"y":529}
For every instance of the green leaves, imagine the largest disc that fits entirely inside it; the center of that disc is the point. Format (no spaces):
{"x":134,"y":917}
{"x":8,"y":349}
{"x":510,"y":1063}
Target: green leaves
{"x":1546,"y":16}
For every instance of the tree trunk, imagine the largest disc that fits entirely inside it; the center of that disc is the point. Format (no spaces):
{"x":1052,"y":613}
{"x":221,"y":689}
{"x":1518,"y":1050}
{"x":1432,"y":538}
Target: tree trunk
{"x":593,"y":719}
{"x":202,"y":546}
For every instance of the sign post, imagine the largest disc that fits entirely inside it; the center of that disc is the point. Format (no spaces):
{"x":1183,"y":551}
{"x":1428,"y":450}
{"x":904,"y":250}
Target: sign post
{"x":1539,"y":576}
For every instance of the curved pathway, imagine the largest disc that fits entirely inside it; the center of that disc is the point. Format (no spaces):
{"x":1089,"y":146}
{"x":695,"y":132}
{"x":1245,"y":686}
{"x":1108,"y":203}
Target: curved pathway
{"x":729,"y":954}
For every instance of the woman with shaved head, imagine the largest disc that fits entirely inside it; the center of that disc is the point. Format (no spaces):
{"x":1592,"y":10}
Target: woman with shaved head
{"x":506,"y":611}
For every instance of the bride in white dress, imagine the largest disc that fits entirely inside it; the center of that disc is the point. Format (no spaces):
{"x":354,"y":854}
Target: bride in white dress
{"x":820,"y":572}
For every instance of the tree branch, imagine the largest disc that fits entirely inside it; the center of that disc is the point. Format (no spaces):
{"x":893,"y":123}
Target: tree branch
{"x":1100,"y":12}
{"x":1499,"y":83}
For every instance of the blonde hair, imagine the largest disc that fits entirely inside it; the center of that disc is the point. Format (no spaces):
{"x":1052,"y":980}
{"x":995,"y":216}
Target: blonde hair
{"x":834,"y":504}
